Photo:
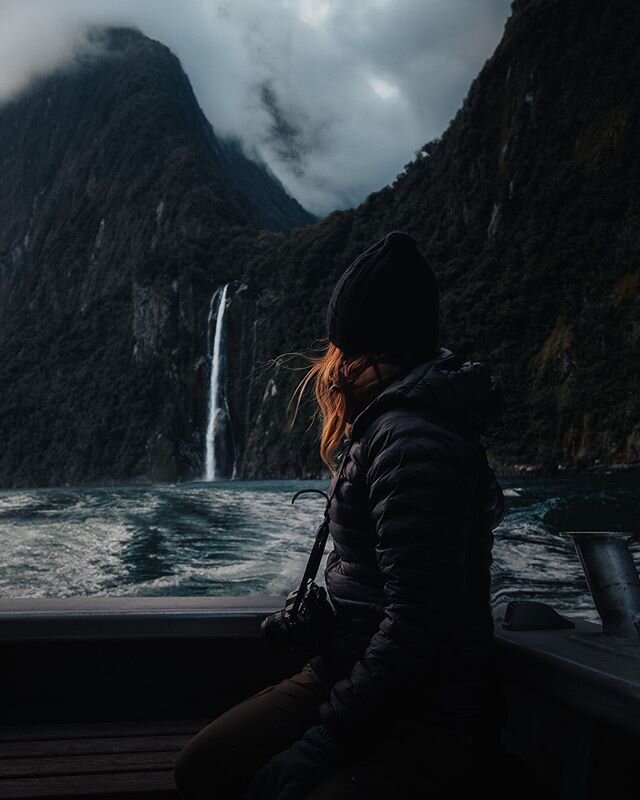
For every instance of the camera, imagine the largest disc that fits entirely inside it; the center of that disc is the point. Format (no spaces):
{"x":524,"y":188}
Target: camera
{"x":306,"y":619}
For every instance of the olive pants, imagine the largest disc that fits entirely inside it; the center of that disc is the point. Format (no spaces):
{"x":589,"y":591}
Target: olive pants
{"x":220,"y":761}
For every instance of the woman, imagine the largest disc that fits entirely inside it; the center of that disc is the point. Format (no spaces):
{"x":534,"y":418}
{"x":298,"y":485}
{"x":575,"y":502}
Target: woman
{"x":403,"y":701}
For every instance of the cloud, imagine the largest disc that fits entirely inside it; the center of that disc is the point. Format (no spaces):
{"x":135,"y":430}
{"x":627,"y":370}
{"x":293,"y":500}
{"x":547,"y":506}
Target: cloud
{"x":336,"y":97}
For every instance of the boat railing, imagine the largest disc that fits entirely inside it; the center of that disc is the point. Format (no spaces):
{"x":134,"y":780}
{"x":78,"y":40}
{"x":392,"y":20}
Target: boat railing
{"x":612,"y":578}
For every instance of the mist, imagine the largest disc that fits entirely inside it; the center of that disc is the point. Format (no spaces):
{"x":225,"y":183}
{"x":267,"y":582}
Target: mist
{"x":334,"y":97}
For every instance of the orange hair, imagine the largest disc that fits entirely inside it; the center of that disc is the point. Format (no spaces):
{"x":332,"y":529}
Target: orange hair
{"x":340,"y":387}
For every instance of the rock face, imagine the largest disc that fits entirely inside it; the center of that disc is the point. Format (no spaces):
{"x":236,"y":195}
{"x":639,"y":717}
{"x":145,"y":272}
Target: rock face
{"x":121,"y":213}
{"x":116,"y":198}
{"x":528,"y":209}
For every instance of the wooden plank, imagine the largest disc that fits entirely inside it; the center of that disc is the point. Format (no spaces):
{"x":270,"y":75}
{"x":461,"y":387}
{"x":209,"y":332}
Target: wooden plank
{"x":95,"y":764}
{"x":99,"y":730}
{"x":159,"y":785}
{"x":85,"y":746}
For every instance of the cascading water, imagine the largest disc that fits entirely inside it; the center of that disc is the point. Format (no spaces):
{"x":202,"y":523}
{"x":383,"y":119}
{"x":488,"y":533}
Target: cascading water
{"x":218,"y":423}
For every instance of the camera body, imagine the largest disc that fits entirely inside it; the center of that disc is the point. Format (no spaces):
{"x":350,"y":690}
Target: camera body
{"x":313,"y":623}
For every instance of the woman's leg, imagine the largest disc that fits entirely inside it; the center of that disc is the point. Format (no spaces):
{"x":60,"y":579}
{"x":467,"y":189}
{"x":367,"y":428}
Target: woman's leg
{"x":220,"y":761}
{"x":414,"y":762}
{"x":379,"y":776}
{"x":358,"y":782}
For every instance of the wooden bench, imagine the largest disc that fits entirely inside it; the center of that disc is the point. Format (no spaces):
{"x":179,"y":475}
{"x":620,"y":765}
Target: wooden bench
{"x":105,"y":760}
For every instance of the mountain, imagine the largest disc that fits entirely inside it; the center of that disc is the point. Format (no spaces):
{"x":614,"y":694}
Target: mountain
{"x":115,"y":195}
{"x":528,"y":208}
{"x":120,"y":219}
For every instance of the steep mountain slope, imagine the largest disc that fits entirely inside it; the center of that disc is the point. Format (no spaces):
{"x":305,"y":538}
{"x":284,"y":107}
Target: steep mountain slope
{"x":114,"y":191}
{"x":111,"y":251}
{"x":528,"y":208}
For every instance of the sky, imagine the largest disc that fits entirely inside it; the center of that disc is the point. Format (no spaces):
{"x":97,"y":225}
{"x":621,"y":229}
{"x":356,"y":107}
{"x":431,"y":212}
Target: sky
{"x":359,"y":86}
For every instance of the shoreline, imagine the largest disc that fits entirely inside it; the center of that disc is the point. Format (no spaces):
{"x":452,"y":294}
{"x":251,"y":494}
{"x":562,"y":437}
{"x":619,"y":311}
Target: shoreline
{"x":517,"y":470}
{"x":501,"y":471}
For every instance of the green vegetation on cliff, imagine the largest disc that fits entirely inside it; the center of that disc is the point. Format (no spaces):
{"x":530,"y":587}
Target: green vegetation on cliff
{"x":121,"y":213}
{"x":115,"y":196}
{"x":528,"y":208}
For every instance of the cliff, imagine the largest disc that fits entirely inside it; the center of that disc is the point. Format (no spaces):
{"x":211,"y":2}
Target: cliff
{"x":115,"y":197}
{"x":121,"y":213}
{"x":528,"y":209}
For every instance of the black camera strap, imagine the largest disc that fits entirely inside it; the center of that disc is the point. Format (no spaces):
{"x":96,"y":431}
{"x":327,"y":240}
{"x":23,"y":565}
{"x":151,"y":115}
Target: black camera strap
{"x":313,"y":564}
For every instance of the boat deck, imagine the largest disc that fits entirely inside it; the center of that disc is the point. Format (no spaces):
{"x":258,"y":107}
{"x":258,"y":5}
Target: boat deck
{"x":102,"y":760}
{"x":77,"y":674}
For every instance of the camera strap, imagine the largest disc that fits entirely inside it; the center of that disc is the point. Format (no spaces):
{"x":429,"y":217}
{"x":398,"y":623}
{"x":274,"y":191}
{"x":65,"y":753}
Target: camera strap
{"x":313,"y":564}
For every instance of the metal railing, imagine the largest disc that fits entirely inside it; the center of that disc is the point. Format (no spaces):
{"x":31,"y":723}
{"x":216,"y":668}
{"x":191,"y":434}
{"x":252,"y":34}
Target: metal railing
{"x":612,"y":578}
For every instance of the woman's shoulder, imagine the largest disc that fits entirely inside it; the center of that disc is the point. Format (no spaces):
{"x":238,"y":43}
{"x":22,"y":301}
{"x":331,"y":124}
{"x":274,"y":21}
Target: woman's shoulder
{"x":424,"y":439}
{"x":407,"y":421}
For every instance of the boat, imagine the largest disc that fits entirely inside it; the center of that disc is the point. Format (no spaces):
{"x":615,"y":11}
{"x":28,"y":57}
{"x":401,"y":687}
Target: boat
{"x":99,"y":694}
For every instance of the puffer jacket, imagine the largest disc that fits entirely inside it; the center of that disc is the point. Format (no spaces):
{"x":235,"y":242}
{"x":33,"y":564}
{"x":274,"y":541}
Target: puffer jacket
{"x":412,"y":515}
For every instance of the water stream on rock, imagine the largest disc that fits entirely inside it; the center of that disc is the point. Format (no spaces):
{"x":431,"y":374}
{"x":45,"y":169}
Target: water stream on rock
{"x":218,"y":420}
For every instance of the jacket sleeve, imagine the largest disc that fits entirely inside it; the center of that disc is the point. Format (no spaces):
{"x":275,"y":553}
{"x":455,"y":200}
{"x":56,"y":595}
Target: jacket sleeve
{"x":419,"y":492}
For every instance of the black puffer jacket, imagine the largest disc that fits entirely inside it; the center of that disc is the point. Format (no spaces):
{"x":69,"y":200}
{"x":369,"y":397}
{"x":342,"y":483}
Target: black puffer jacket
{"x":411,"y":519}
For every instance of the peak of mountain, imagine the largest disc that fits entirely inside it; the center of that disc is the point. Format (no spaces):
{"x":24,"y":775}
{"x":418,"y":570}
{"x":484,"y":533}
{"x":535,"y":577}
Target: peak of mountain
{"x":114,"y":190}
{"x":110,"y":257}
{"x":527,"y":208}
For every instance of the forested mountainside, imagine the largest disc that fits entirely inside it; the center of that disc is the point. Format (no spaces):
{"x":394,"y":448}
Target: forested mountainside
{"x":528,"y":207}
{"x":115,"y":196}
{"x":121,"y":214}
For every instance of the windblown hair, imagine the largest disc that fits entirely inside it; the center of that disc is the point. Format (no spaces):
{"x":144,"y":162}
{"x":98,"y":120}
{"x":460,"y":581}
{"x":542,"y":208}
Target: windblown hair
{"x":341,"y":388}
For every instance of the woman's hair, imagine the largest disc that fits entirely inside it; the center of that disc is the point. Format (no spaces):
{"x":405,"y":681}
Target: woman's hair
{"x":342,"y":387}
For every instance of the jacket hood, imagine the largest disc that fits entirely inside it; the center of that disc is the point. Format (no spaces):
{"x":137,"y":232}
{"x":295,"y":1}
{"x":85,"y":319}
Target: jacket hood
{"x":466,"y":393}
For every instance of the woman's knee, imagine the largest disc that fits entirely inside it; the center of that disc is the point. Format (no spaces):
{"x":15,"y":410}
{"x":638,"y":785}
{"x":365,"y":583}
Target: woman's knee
{"x":184,"y":775}
{"x":202,"y":763}
{"x":246,"y":735}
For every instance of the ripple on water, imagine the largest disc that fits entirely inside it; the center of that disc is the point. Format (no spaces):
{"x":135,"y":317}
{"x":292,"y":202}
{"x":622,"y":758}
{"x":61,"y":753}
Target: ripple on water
{"x":242,"y":538}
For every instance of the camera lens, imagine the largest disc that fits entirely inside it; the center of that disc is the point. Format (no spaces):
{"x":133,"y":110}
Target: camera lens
{"x":275,"y":630}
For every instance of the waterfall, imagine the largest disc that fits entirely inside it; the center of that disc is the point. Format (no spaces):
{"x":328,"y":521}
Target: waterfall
{"x":218,"y":423}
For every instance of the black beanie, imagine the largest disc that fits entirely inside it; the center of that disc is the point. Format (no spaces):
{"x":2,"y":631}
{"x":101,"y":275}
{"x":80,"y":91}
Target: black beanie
{"x":386,"y":301}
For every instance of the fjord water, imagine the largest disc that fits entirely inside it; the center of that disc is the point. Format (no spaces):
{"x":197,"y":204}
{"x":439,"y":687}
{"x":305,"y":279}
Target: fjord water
{"x":245,"y":537}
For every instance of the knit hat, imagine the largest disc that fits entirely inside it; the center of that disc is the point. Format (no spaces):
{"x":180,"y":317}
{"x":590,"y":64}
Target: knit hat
{"x":386,"y":301}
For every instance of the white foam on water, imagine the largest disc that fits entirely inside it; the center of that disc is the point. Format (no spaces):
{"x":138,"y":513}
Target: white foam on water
{"x":247,"y":538}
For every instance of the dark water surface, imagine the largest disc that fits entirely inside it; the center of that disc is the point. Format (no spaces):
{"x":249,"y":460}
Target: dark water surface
{"x":245,"y":537}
